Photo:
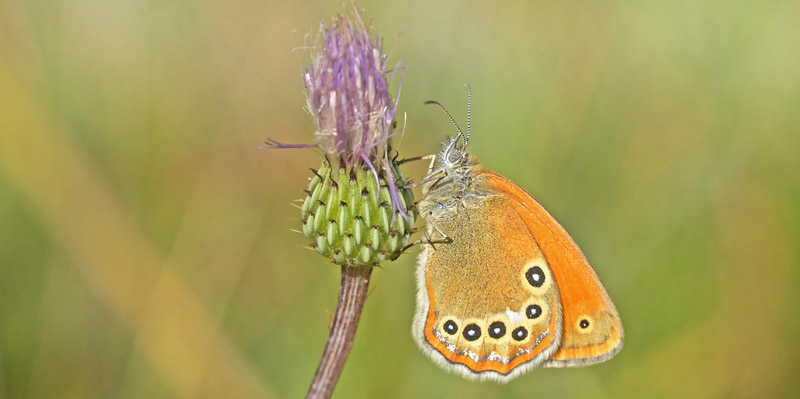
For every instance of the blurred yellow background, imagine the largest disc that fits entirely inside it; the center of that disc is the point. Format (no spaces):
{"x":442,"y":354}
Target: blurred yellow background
{"x":145,"y":247}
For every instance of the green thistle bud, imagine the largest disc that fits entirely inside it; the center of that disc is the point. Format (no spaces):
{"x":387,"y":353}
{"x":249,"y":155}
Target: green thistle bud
{"x":347,"y":219}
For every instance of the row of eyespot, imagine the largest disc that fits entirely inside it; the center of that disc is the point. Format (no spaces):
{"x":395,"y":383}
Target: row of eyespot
{"x":535,"y":277}
{"x":496,"y":330}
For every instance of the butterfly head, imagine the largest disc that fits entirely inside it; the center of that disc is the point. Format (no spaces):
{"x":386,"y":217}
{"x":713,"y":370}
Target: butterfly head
{"x":453,"y":155}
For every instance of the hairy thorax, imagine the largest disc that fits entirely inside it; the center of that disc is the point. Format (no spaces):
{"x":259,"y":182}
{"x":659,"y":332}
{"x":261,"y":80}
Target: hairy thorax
{"x":456,"y":191}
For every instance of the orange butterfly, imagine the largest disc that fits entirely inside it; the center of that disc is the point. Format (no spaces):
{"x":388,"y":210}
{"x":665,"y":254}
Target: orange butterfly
{"x":507,"y":289}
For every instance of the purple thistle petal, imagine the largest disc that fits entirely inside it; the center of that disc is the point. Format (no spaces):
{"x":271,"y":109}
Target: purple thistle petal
{"x":396,"y":204}
{"x":374,"y":173}
{"x":399,"y":88}
{"x":375,"y":144}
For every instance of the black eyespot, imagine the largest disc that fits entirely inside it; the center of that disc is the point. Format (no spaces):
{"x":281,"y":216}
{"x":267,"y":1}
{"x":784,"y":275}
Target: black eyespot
{"x":584,"y":323}
{"x":535,"y":276}
{"x":497,"y":329}
{"x":519,"y":333}
{"x":533,"y":311}
{"x":471,"y":332}
{"x":450,"y":327}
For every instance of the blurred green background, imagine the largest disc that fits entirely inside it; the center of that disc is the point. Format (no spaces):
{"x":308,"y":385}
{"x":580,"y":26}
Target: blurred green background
{"x":146,"y":252}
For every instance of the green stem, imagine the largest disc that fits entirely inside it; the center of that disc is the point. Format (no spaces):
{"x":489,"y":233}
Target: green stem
{"x":352,"y":294}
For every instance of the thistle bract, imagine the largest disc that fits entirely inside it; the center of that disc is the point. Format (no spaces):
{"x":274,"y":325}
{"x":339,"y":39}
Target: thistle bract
{"x":346,"y":222}
{"x":357,"y":211}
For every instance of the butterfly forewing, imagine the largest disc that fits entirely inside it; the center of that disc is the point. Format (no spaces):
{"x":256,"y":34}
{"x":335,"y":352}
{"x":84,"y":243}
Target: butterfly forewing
{"x":592,"y":329}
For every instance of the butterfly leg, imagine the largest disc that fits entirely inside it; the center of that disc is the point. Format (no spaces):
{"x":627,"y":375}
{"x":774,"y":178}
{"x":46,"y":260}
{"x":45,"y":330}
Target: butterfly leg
{"x":426,"y":210}
{"x":428,"y":176}
{"x":445,"y":238}
{"x":432,"y":157}
{"x":437,"y":174}
{"x":430,"y":166}
{"x":428,"y":240}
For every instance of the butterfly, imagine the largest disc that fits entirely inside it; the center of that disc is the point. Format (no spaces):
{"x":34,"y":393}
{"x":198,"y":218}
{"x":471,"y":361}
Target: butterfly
{"x":502,"y":287}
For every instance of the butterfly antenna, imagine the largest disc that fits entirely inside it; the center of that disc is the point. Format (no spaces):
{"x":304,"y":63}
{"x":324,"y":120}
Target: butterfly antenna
{"x":469,"y":103}
{"x":460,"y":133}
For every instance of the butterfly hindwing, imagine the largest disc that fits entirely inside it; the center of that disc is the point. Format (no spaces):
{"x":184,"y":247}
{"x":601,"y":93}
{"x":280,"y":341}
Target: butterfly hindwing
{"x":488,"y":303}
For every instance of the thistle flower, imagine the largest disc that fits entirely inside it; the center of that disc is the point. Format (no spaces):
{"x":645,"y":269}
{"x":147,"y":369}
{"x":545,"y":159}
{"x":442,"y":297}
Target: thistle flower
{"x":358,"y":211}
{"x":348,"y":93}
{"x":351,"y":211}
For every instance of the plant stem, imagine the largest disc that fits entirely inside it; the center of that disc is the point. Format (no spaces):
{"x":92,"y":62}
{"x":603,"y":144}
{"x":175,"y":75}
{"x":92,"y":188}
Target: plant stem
{"x":352,"y":293}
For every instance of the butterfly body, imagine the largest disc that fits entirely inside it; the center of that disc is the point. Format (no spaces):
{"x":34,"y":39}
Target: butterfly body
{"x":506,"y":289}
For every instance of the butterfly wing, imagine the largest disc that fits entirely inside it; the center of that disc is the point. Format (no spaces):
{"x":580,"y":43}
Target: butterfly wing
{"x":488,"y":305}
{"x":592,"y":330}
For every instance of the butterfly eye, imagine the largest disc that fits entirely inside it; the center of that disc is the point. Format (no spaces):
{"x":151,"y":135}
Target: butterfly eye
{"x":450,"y":327}
{"x":519,"y":333}
{"x":497,"y":329}
{"x":453,"y":156}
{"x":472,"y":332}
{"x":533,"y":311}
{"x":535,"y":276}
